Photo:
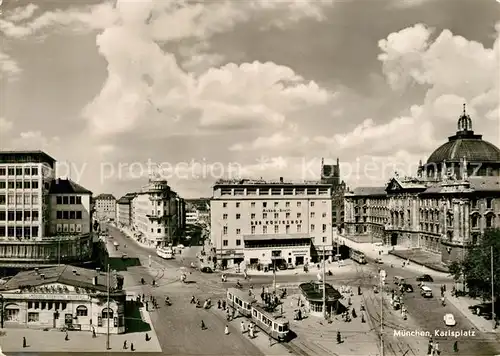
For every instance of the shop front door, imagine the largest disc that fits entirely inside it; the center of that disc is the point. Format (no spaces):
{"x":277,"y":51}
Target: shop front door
{"x":299,"y":260}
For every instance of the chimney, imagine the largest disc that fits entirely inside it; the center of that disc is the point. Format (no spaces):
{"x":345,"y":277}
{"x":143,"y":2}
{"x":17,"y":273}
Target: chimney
{"x":94,"y":280}
{"x":281,"y":179}
{"x":42,"y":276}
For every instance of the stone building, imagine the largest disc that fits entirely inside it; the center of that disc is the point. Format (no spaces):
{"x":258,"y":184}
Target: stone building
{"x":447,"y":206}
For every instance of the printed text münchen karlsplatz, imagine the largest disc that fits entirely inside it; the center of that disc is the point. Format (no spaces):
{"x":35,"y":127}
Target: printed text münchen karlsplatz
{"x":436,"y":333}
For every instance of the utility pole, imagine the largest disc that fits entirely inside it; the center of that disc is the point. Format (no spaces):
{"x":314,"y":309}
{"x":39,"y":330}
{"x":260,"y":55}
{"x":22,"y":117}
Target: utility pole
{"x":274,"y":273}
{"x":58,"y":251}
{"x":492,"y":292}
{"x":382,"y":280}
{"x":107,"y":314}
{"x":324,"y":284}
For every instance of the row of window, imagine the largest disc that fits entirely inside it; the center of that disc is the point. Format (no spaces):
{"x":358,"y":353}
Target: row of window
{"x":19,"y":215}
{"x":276,"y":229}
{"x":68,"y":228}
{"x":19,"y":231}
{"x":225,"y":243}
{"x":266,"y":205}
{"x":68,"y":199}
{"x":68,"y":215}
{"x":312,"y":215}
{"x":27,"y":184}
{"x":278,"y":191}
{"x":19,"y":199}
{"x":47,"y":305}
{"x":26,"y":171}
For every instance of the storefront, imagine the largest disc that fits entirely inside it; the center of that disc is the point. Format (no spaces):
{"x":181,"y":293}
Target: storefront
{"x":312,"y":296}
{"x":64,"y":296}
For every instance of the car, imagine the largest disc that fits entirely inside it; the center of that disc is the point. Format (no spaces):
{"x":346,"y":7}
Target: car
{"x":425,"y":278}
{"x":206,"y":270}
{"x":379,"y":261}
{"x":449,"y":320}
{"x":408,"y":288}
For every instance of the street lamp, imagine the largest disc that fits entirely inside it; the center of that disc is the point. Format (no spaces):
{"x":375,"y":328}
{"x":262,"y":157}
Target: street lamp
{"x":1,"y":311}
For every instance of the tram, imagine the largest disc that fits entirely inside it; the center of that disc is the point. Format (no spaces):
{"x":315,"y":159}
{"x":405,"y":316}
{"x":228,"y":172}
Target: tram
{"x":165,"y":253}
{"x":275,"y":327}
{"x":358,"y":256}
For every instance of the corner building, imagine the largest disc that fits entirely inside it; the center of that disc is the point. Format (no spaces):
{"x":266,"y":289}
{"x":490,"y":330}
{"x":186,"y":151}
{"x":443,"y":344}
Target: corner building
{"x":453,"y":199}
{"x":266,"y":222}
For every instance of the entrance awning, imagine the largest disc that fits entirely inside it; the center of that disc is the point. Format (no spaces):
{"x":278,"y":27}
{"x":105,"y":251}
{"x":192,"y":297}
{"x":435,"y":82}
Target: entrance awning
{"x":265,"y":237}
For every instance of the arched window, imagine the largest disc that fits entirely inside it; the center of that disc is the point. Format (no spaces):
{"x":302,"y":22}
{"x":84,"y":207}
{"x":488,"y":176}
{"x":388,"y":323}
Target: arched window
{"x":475,"y":220}
{"x":82,"y":310}
{"x":107,"y":313}
{"x":490,"y":220}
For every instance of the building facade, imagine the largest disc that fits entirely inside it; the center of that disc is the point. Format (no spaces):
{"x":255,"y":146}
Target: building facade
{"x":30,"y":213}
{"x":158,"y":214}
{"x":445,"y":208}
{"x":64,"y":296}
{"x":105,"y":207}
{"x":330,"y":174}
{"x":124,"y":210}
{"x":261,"y":222}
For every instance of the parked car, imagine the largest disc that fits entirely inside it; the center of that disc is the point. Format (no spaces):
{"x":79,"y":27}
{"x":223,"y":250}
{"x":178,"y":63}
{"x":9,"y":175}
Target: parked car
{"x":449,"y":320}
{"x":425,"y":278}
{"x":379,"y":261}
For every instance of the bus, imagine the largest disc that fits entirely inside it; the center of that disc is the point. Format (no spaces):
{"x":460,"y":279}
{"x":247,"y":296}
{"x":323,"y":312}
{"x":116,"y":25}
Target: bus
{"x":165,"y":252}
{"x":358,"y":256}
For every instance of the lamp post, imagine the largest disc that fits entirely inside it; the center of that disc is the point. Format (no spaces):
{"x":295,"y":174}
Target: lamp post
{"x":1,"y":311}
{"x":108,"y":310}
{"x":493,"y":316}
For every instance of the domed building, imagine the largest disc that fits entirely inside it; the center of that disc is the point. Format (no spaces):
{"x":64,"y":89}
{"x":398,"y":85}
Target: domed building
{"x":446,"y":207}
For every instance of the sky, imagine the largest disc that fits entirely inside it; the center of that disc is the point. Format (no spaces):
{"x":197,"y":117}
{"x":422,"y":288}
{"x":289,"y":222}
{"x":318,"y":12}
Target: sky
{"x":194,"y":91}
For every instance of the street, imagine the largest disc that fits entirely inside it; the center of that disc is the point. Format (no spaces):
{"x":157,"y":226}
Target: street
{"x":179,"y":326}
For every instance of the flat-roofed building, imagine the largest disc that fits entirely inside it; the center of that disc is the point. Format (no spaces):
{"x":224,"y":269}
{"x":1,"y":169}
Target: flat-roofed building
{"x":124,"y":210}
{"x":105,"y":207}
{"x":267,"y":222}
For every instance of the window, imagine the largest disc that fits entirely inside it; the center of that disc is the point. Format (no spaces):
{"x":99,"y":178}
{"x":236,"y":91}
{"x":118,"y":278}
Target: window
{"x":27,"y":199}
{"x":324,"y":239}
{"x":264,"y":229}
{"x":34,"y":171}
{"x":264,"y":215}
{"x":78,"y":215}
{"x":324,"y":227}
{"x":65,"y":200}
{"x":252,"y":230}
{"x":276,"y":229}
{"x":11,"y":216}
{"x":11,"y":171}
{"x":34,"y":199}
{"x":287,"y":215}
{"x":489,"y":220}
{"x":19,"y":185}
{"x":78,"y":200}
{"x":252,"y":216}
{"x":72,"y":200}
{"x":65,"y":214}
{"x":19,"y":199}
{"x":238,"y":216}
{"x":33,"y":317}
{"x":287,"y":204}
{"x":34,"y":231}
{"x":3,"y":215}
{"x":238,"y":231}
{"x":312,"y":227}
{"x":489,"y":203}
{"x":27,"y":231}
{"x":3,"y":184}
{"x":312,"y":203}
{"x":27,"y":184}
{"x":224,"y":205}
{"x":237,"y":205}
{"x":252,"y":204}
{"x":19,"y":171}
{"x":34,"y":184}
{"x":287,"y":229}
{"x":323,"y":215}
{"x":72,"y":215}
{"x":299,"y":228}
{"x":159,"y":230}
{"x":313,"y":215}
{"x":299,"y":204}
{"x":276,"y":215}
{"x":19,"y":215}
{"x":224,"y":216}
{"x":238,"y":242}
{"x":276,"y":204}
{"x":264,"y":204}
{"x":224,"y":230}
{"x":475,"y":220}
{"x":2,"y":171}
{"x":299,"y":215}
{"x":106,"y":313}
{"x":81,"y":311}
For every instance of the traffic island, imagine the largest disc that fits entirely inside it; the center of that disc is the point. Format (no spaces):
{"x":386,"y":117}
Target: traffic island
{"x":423,"y":258}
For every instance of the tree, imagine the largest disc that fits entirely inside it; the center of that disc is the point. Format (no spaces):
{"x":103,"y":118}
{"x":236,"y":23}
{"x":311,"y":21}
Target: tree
{"x":476,"y":266}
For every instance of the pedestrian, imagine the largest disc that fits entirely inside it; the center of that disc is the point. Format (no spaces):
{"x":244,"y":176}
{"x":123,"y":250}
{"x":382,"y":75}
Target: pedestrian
{"x":354,"y":315}
{"x":218,"y":304}
{"x":226,"y":330}
{"x":125,"y":345}
{"x":93,"y":333}
{"x":132,"y":346}
{"x":203,"y":326}
{"x":363,"y":318}
{"x":224,"y":304}
{"x":339,"y":338}
{"x":437,"y":352}
{"x":147,"y":306}
{"x":242,"y":327}
{"x":429,"y":348}
{"x":66,"y":337}
{"x":455,"y":346}
{"x":24,"y":342}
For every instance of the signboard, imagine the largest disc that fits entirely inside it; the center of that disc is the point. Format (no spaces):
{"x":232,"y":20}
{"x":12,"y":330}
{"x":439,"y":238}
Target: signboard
{"x":49,"y":296}
{"x":276,"y":210}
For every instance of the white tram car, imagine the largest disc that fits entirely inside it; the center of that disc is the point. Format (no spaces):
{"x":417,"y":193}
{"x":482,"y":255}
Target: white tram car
{"x":276,"y":327}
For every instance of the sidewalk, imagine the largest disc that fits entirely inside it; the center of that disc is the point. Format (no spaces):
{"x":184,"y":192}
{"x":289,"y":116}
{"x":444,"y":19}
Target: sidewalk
{"x":376,"y":251}
{"x":130,"y":234}
{"x":463,"y":304}
{"x":79,"y":341}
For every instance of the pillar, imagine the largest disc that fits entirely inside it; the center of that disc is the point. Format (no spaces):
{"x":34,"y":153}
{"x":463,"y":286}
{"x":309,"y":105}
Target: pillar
{"x":467,"y":221}
{"x":456,"y":219}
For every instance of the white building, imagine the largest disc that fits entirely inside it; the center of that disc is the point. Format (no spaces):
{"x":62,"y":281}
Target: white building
{"x":158,"y":214}
{"x":192,"y":217}
{"x":264,"y":222}
{"x":105,"y":207}
{"x":30,"y":213}
{"x":124,"y":210}
{"x":64,"y":296}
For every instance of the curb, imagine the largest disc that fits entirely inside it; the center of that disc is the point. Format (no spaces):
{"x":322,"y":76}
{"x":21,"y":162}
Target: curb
{"x":147,"y":319}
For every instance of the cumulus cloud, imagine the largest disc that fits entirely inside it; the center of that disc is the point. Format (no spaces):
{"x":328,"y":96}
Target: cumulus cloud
{"x":8,"y":66}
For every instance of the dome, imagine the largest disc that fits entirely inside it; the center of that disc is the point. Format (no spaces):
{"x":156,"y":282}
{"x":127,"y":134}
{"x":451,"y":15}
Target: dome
{"x":474,"y":150}
{"x":465,"y":144}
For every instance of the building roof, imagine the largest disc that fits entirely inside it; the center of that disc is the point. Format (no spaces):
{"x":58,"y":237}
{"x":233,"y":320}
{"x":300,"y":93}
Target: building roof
{"x":465,"y":144}
{"x":369,"y":191}
{"x":314,"y":291}
{"x":105,"y":196}
{"x":262,"y":182}
{"x":485,"y":184}
{"x":26,"y":156}
{"x":67,"y":186}
{"x":124,"y":200}
{"x":64,"y":274}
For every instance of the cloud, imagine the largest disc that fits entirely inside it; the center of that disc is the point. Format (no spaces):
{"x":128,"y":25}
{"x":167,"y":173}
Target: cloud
{"x":34,"y":140}
{"x":8,"y":66}
{"x":409,"y":3}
